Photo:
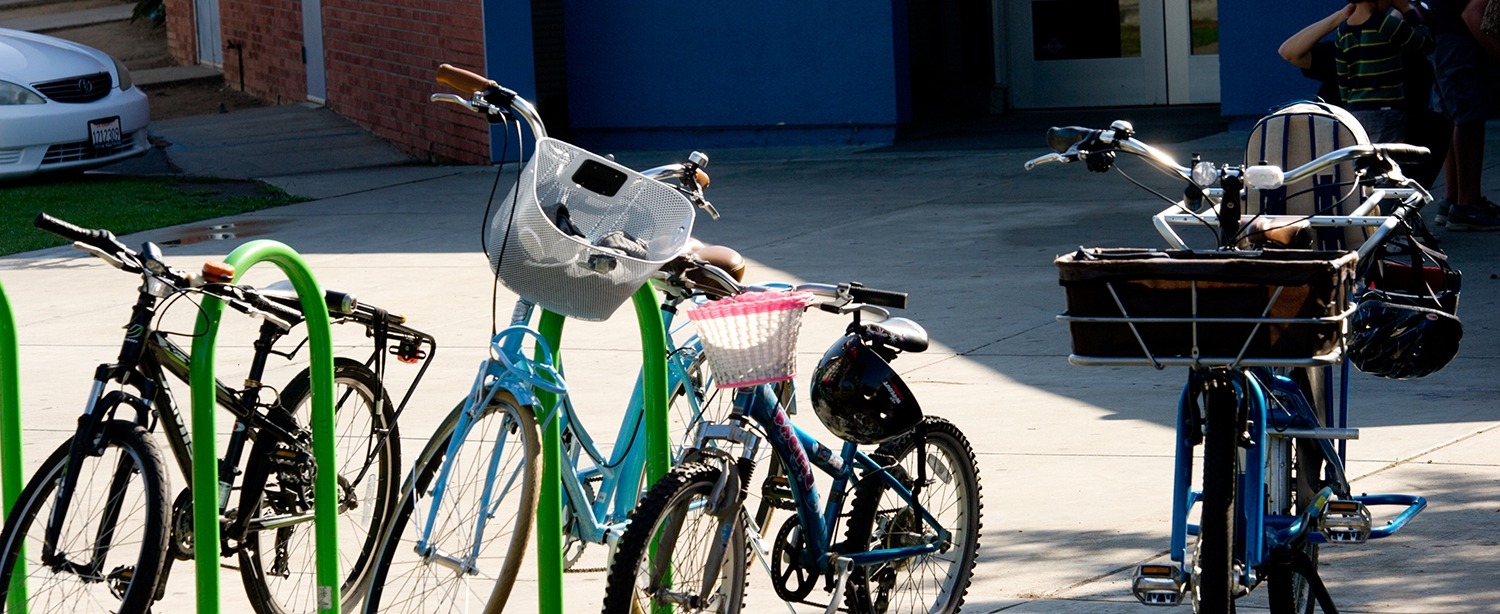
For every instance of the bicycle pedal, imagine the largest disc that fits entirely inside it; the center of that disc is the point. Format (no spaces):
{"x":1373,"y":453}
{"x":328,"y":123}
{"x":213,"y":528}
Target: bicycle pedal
{"x":776,"y":492}
{"x":1346,"y":522}
{"x":1156,"y":584}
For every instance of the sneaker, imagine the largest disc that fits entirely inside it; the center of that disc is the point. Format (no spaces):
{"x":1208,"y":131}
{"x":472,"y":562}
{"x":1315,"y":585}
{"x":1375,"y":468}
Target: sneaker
{"x":1444,"y":206}
{"x":1479,"y":215}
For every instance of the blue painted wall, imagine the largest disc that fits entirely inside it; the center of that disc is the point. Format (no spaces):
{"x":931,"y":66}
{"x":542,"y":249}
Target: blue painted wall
{"x":1252,"y":77}
{"x":662,"y":74}
{"x":509,"y":60}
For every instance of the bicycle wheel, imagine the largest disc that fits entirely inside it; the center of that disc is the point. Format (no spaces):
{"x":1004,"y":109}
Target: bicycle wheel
{"x":1294,"y":468}
{"x":664,"y":554}
{"x":454,"y":572}
{"x":1214,"y":571}
{"x":881,"y":518}
{"x":278,"y":565}
{"x":119,"y":502}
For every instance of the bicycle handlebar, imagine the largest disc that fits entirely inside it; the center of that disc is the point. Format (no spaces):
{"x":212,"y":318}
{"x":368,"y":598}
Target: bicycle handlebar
{"x":463,"y":80}
{"x":487,"y":96}
{"x":102,"y":240}
{"x":1073,"y":143}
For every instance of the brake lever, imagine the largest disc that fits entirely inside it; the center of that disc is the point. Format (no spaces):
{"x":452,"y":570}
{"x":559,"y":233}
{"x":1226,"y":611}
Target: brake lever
{"x":250,"y":310}
{"x":107,"y":257}
{"x":706,"y":206}
{"x":1047,"y":159}
{"x":280,"y":323}
{"x":451,"y":98}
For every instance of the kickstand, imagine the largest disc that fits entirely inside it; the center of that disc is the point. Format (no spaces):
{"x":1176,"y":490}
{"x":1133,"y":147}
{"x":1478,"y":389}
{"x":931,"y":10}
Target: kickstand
{"x":1305,"y":567}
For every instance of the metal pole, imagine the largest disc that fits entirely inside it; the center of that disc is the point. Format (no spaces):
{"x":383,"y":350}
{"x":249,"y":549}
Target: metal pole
{"x":10,"y":439}
{"x":549,"y":565}
{"x":654,"y":372}
{"x":658,"y":457}
{"x":205,"y":470}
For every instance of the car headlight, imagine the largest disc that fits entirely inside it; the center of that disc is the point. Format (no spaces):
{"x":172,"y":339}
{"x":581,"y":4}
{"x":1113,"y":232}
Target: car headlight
{"x":11,"y":93}
{"x":124,"y":73}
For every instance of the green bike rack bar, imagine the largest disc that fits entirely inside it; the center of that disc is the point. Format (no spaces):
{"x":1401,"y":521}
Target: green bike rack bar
{"x":205,"y":461}
{"x":10,"y":437}
{"x":658,"y":457}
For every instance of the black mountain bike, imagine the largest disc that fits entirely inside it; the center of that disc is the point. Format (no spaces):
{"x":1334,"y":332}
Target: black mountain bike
{"x":94,"y":528}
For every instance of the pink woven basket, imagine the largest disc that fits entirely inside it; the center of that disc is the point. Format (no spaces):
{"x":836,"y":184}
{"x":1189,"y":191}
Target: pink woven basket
{"x":751,"y":339}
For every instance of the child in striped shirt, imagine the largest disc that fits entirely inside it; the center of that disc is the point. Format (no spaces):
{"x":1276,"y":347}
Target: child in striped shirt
{"x":1369,"y":44}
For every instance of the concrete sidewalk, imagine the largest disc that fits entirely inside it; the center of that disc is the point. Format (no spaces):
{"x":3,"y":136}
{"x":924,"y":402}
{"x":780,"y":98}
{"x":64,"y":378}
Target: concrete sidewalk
{"x":1075,"y":462}
{"x":73,"y":19}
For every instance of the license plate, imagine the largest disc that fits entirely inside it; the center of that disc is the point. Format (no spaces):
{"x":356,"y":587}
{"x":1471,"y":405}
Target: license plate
{"x":105,"y":133}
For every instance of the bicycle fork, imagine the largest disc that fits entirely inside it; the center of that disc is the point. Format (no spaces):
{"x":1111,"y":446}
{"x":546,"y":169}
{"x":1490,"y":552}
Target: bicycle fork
{"x":88,"y":441}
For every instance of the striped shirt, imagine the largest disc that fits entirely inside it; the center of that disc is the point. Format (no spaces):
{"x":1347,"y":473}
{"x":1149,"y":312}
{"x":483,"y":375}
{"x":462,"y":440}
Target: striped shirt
{"x":1368,"y":59}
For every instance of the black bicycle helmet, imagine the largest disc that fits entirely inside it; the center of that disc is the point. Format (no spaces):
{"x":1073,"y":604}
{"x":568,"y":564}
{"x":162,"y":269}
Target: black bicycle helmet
{"x":1399,"y":341}
{"x":859,"y":397}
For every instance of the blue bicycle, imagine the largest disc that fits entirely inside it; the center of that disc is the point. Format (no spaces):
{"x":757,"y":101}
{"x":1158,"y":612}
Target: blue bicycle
{"x":1261,"y":321}
{"x":911,"y":528}
{"x":459,"y":534}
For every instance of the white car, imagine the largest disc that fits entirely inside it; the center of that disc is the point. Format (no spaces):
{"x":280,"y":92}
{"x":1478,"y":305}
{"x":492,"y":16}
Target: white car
{"x":65,"y":106}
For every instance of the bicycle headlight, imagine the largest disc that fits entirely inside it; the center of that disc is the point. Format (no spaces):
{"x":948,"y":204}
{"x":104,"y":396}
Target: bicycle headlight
{"x":1205,"y":174}
{"x":11,"y":93}
{"x":124,"y":74}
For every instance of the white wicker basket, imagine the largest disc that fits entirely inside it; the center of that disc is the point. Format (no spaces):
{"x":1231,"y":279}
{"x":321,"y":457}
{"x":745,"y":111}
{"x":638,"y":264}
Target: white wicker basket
{"x":569,"y":274}
{"x":751,"y":339}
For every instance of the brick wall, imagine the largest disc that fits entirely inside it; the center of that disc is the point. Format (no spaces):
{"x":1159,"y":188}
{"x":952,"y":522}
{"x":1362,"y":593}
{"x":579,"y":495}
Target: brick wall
{"x":182,"y":35}
{"x":381,"y":57}
{"x":271,"y":33}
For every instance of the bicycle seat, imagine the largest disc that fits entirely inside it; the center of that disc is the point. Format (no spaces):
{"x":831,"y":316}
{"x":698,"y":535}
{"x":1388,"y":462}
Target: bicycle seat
{"x":339,"y":303}
{"x":727,"y":259}
{"x":1296,"y":235}
{"x":899,"y":333}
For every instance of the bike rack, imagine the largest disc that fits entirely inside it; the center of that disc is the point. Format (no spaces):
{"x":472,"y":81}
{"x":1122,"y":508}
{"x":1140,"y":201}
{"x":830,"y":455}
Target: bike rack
{"x":10,"y":436}
{"x":205,"y":460}
{"x":658,"y":457}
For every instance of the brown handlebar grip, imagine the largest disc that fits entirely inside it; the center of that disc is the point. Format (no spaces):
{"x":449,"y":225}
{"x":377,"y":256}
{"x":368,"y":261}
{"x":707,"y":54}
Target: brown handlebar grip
{"x":462,"y":80}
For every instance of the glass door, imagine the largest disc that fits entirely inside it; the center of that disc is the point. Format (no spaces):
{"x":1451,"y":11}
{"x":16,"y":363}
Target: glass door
{"x":1088,"y":53}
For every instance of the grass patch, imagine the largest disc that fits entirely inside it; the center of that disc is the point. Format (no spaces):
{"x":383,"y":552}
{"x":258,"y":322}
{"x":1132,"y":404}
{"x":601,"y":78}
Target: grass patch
{"x":124,"y":205}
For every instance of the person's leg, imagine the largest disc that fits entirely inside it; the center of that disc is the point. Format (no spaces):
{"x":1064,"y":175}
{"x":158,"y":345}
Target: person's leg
{"x":1468,"y":141}
{"x":1450,"y":179}
{"x":1464,"y":85}
{"x":1450,"y":169}
{"x":1472,"y":211}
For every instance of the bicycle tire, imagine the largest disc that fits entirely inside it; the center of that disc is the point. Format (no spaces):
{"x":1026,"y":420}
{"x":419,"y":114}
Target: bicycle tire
{"x":358,"y":429}
{"x":1213,"y":583}
{"x":421,"y":584}
{"x":678,"y":495}
{"x":50,"y":590}
{"x":876,"y":515}
{"x":1287,"y":591}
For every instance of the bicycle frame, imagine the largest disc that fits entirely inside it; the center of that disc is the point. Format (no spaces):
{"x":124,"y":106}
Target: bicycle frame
{"x":799,"y":453}
{"x":1260,"y":532}
{"x":620,"y":475}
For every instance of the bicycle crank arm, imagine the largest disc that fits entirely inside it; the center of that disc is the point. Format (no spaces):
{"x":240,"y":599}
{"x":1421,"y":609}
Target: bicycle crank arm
{"x":276,"y":522}
{"x":844,"y":565}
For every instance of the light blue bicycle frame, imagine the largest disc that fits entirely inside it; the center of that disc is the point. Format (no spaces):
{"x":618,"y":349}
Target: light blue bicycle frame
{"x":621,"y":475}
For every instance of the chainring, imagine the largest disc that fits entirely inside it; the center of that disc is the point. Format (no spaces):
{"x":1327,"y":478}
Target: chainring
{"x":573,"y":545}
{"x":792,"y":577}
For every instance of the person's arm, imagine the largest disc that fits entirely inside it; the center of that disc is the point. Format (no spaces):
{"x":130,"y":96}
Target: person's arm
{"x":1298,"y":48}
{"x":1473,"y":15}
{"x":1413,"y":34}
